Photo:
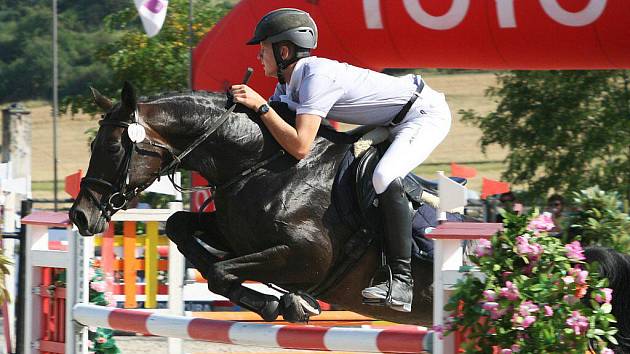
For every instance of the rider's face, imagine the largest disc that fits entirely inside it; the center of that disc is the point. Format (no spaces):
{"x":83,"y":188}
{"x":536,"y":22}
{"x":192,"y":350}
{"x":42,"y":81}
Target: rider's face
{"x":265,"y":55}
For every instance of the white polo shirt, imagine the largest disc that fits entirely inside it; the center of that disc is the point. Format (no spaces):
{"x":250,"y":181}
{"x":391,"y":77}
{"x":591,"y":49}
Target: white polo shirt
{"x":345,"y":93}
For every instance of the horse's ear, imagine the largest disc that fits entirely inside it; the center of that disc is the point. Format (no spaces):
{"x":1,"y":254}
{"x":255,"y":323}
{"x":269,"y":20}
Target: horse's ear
{"x":128,"y":97}
{"x":103,"y":102}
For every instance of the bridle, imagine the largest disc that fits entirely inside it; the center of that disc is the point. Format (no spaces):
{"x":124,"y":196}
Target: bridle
{"x":120,"y":191}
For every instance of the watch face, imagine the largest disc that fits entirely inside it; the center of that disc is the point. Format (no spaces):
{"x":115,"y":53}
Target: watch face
{"x":263,"y":109}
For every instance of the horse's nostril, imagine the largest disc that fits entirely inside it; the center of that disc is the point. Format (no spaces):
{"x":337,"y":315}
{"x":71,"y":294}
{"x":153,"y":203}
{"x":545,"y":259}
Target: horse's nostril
{"x":79,"y":218}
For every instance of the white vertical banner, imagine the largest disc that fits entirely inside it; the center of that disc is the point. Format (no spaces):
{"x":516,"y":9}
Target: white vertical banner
{"x":452,"y":194}
{"x":152,"y":13}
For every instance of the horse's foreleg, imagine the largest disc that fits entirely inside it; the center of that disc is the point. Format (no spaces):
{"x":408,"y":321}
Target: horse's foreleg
{"x":276,"y":264}
{"x":185,"y":228}
{"x":226,"y":277}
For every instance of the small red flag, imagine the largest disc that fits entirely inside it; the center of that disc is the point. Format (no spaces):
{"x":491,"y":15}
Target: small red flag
{"x":492,"y":187}
{"x":462,"y":171}
{"x":73,"y":184}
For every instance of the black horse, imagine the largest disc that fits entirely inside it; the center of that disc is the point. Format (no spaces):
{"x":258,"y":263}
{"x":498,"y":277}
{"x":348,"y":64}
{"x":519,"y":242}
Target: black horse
{"x":278,"y":220}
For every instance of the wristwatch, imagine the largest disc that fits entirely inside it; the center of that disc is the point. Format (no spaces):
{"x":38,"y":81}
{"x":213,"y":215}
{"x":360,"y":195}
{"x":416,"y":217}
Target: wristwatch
{"x":263,"y":109}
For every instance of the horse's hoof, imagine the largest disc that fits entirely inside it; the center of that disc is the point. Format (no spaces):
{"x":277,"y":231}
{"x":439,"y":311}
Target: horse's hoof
{"x":271,"y":310}
{"x":298,"y":308}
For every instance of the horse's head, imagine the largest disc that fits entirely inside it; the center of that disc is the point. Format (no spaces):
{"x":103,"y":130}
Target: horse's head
{"x":123,"y":162}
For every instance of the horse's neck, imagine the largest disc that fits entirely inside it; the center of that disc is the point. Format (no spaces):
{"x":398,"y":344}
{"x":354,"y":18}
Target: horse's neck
{"x":236,"y":144}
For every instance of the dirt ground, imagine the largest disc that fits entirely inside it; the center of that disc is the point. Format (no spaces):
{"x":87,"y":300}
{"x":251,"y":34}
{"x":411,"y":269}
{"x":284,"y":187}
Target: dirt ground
{"x":155,"y":345}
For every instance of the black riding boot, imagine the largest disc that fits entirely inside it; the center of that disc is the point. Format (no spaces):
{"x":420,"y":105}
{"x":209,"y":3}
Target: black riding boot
{"x":397,"y":217}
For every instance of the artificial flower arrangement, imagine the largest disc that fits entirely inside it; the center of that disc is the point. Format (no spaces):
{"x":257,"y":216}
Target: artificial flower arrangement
{"x":531,"y":294}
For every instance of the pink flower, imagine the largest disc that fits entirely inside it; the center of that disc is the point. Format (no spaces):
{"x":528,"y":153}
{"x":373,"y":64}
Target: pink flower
{"x":484,"y":248}
{"x":577,"y":322}
{"x":506,"y":351}
{"x":490,"y":306}
{"x":607,"y":351}
{"x":489,"y":295}
{"x":101,"y":340}
{"x":575,"y":251}
{"x":496,"y":314}
{"x":510,"y":291}
{"x":548,"y":310}
{"x":526,"y":308}
{"x":543,"y":222}
{"x":515,"y":348}
{"x":603,"y":295}
{"x":522,"y":322}
{"x":442,"y":329}
{"x":527,"y":249}
{"x":579,"y":275}
{"x":568,"y":279}
{"x":528,"y":320}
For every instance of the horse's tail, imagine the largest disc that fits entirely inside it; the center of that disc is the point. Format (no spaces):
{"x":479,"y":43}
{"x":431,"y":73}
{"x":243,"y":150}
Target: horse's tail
{"x":616,"y":267}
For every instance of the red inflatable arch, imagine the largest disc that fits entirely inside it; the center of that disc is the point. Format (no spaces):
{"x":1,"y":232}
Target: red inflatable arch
{"x":480,"y":34}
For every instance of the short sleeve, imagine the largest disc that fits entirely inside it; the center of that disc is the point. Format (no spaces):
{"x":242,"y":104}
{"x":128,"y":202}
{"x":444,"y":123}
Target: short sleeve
{"x":318,"y":93}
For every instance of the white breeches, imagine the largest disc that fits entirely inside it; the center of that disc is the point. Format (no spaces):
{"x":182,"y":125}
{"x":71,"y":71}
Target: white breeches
{"x":423,"y":129}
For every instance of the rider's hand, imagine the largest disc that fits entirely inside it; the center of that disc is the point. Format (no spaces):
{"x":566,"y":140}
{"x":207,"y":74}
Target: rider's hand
{"x":246,"y":96}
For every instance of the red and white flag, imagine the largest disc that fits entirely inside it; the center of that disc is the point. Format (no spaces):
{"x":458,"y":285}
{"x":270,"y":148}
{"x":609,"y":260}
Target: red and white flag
{"x":152,"y":13}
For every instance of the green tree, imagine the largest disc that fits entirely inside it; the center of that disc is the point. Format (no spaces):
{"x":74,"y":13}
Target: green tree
{"x":565,"y":130}
{"x":26,"y":46}
{"x":155,"y":64}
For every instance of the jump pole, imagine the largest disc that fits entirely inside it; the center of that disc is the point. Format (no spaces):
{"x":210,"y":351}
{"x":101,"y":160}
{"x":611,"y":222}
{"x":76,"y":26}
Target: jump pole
{"x":412,"y":340}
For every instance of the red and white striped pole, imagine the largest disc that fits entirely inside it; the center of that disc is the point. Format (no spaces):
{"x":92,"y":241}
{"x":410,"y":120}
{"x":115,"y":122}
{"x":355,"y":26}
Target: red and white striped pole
{"x":395,"y":340}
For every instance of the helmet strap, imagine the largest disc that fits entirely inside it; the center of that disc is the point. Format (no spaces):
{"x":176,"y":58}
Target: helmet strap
{"x":282,"y":64}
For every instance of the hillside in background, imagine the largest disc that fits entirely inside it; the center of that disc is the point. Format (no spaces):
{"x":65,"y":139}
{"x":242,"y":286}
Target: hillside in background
{"x":463,"y":91}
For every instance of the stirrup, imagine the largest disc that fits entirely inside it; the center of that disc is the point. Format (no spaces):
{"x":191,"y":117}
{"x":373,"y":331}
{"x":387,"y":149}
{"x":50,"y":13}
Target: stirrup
{"x":387,"y":301}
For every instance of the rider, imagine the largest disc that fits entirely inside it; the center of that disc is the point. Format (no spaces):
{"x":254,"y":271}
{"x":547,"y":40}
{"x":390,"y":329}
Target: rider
{"x":418,"y":119}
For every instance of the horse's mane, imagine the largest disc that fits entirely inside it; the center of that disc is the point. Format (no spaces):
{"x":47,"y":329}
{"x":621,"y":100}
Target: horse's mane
{"x":190,"y":106}
{"x":193,"y":106}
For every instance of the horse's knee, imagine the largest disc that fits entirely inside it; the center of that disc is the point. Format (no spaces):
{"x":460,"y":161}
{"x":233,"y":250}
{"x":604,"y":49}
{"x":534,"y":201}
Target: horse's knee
{"x":219,"y":279}
{"x":177,"y":226}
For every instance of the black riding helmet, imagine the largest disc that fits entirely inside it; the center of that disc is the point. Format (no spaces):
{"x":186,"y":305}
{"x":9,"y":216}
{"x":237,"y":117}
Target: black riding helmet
{"x":291,"y":25}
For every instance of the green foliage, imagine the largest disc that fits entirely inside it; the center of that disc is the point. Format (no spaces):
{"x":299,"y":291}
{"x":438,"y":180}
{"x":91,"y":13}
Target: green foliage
{"x":26,"y":46}
{"x":536,"y":295}
{"x":153,"y":65}
{"x":101,"y":339}
{"x":565,"y":130}
{"x":599,"y":220}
